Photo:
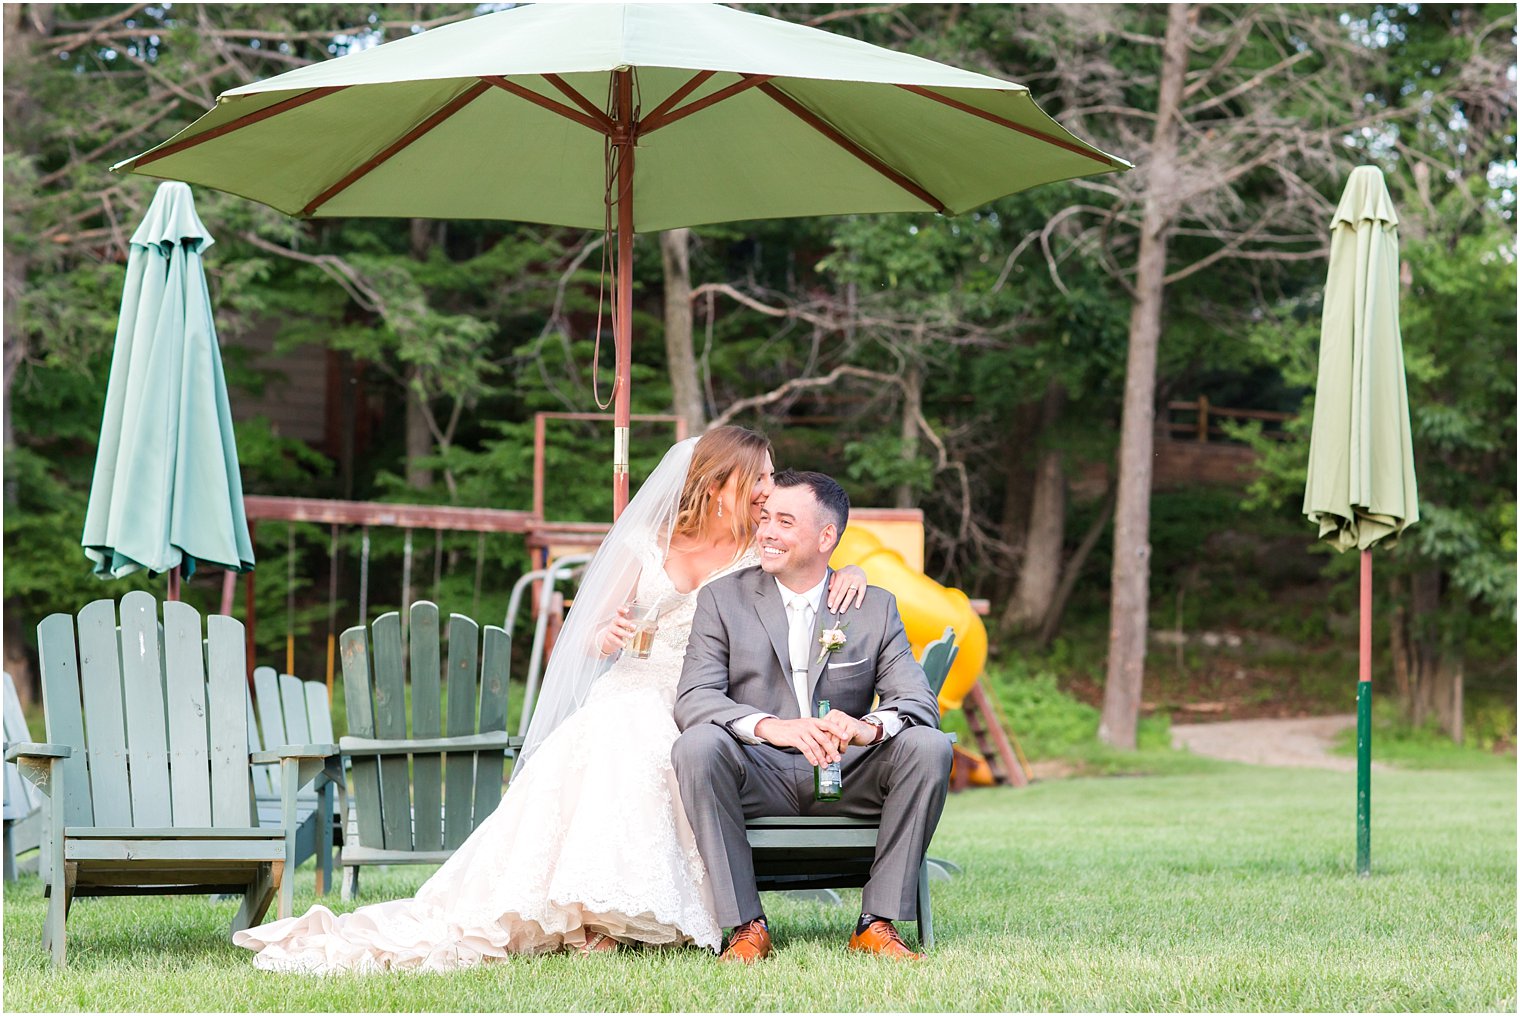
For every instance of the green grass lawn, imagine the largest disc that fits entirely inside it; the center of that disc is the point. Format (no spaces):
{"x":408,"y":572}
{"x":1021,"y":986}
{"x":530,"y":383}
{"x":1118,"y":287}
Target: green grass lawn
{"x":1224,"y":888}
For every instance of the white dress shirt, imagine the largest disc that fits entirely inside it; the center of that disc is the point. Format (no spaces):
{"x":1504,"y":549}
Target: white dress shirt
{"x":801,"y":626}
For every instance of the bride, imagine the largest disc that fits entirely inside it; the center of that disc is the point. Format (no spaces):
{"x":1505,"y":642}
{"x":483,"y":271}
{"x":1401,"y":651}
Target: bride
{"x":590,"y":846}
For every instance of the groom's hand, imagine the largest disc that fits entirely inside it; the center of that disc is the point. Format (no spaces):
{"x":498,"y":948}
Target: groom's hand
{"x":816,"y":740}
{"x":848,"y":729}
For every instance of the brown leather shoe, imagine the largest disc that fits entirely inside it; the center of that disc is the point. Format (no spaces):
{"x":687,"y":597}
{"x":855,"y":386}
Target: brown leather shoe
{"x":749,"y":943}
{"x":881,"y":938}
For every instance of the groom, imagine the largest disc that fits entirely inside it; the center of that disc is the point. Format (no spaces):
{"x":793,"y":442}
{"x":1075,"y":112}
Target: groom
{"x":756,"y":667}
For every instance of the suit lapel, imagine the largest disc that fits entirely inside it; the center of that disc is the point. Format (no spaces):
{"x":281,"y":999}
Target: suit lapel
{"x":817,"y":661}
{"x":772,"y":613}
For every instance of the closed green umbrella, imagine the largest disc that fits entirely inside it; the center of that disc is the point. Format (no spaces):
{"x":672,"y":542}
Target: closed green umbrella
{"x":1361,"y":485}
{"x":166,"y":493}
{"x":646,"y":116}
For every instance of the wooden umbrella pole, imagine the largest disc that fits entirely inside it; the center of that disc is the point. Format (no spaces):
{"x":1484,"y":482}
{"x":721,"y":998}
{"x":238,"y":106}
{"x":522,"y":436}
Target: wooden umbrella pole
{"x":1364,"y":725}
{"x":622,"y":405}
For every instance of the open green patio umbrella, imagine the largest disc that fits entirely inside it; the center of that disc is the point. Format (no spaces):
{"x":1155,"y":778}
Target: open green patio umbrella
{"x":634,"y":116}
{"x":166,"y":493}
{"x":1361,"y":486}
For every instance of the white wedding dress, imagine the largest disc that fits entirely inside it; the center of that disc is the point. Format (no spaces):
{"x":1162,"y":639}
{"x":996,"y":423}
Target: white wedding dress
{"x":591,"y":837}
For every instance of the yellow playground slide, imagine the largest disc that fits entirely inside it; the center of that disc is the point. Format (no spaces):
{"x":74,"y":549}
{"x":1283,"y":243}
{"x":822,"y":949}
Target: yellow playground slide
{"x":883,"y":549}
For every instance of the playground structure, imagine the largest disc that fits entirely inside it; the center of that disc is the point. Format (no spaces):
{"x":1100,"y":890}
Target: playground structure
{"x":887,"y":542}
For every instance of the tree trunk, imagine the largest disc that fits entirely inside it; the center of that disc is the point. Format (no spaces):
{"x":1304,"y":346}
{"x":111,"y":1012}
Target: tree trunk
{"x":1046,"y":537}
{"x":1129,"y":595}
{"x":1427,"y":679}
{"x":18,"y":32}
{"x":685,"y":387}
{"x":913,"y":403}
{"x":1018,"y":482}
{"x":1050,"y":624}
{"x":419,"y":439}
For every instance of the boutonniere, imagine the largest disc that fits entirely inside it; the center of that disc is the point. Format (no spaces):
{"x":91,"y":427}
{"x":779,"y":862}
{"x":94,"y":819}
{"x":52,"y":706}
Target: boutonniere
{"x":831,"y":640}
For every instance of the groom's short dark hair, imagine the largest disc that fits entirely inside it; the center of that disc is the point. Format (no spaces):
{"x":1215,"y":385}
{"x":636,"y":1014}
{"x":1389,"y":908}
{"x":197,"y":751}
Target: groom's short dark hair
{"x":832,"y":500}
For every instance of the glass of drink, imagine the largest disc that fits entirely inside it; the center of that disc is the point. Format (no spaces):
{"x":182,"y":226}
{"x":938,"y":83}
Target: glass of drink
{"x":646,"y":621}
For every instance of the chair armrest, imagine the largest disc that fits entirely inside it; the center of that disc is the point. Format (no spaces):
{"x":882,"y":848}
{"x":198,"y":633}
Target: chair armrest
{"x":293,"y":751}
{"x":369,"y":746}
{"x":31,"y":749}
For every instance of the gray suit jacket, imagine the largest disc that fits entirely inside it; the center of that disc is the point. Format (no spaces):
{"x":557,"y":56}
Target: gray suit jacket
{"x":738,"y":663}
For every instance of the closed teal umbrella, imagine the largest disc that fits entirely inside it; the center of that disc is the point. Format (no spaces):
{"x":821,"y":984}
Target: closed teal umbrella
{"x":166,"y":491}
{"x":1360,"y":488}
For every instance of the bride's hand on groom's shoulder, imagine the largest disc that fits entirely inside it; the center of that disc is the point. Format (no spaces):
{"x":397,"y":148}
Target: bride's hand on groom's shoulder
{"x":818,"y":741}
{"x":847,"y":588}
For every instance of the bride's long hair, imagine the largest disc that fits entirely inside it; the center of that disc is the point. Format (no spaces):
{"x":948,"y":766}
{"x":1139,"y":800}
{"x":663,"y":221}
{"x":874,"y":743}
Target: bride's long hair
{"x":721,"y":453}
{"x":678,"y":499}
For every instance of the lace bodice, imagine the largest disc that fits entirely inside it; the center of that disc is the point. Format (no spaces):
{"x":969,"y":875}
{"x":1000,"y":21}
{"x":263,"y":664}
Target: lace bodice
{"x":662,"y":670}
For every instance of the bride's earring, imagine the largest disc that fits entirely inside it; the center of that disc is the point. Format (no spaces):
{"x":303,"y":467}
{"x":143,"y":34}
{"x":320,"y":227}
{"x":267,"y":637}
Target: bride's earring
{"x":720,"y":507}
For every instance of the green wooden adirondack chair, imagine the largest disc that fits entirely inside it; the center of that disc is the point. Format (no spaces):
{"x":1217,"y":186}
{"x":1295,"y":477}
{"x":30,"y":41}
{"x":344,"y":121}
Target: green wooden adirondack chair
{"x":455,"y":759}
{"x":24,"y":818}
{"x":807,"y":852}
{"x":159,"y":799}
{"x":291,"y":711}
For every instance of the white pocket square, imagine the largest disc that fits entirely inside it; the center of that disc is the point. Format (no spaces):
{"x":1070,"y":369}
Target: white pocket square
{"x":848,"y":663}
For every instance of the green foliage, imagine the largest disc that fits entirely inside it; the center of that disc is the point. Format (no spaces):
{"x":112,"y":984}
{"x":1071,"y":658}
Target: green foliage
{"x":1489,"y":738}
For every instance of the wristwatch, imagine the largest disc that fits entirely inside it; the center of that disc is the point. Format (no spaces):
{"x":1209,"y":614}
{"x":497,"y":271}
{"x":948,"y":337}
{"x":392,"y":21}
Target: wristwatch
{"x":881,"y":731}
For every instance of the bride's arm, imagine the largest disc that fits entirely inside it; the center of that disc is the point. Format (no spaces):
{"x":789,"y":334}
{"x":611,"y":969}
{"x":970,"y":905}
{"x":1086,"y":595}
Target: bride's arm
{"x":847,"y":582}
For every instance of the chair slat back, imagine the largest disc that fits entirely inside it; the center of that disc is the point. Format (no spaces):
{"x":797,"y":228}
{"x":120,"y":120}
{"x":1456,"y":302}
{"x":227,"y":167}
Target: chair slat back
{"x":297,"y":724}
{"x":262,"y":730}
{"x":360,"y":706}
{"x":427,"y":721}
{"x":185,"y":700}
{"x":266,"y":691}
{"x":293,"y":707}
{"x":143,"y":688}
{"x":318,"y":712}
{"x":21,"y":798}
{"x":100,"y":682}
{"x":459,"y":787}
{"x":496,"y":655}
{"x":937,"y":659}
{"x":263,"y":778}
{"x":389,"y":681}
{"x":227,"y":705}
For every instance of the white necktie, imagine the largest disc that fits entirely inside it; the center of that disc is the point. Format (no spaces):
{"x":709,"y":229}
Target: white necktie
{"x":800,"y":617}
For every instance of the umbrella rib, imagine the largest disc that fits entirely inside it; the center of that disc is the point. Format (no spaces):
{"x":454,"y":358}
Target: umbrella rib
{"x":823,"y":127}
{"x":232,"y":125}
{"x":455,"y":105}
{"x":680,"y":93}
{"x":544,"y":101}
{"x":656,"y":120}
{"x":1003,"y":122}
{"x":580,"y":100}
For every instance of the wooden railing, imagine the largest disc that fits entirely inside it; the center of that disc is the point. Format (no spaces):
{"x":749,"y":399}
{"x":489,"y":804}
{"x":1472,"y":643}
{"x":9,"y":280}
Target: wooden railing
{"x":1205,"y":425}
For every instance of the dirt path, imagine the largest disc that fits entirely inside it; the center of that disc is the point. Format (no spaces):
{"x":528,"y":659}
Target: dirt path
{"x":1296,"y":742}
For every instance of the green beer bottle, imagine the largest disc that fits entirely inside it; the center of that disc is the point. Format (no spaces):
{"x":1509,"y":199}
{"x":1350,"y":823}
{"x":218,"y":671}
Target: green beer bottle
{"x":828,"y":781}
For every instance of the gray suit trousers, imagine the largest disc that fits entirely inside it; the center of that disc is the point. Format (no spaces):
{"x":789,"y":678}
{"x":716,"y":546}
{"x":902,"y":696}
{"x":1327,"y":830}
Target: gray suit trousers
{"x":724,"y":782}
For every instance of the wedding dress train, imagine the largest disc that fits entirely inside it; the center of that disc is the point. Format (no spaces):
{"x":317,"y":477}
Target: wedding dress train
{"x":590,"y":838}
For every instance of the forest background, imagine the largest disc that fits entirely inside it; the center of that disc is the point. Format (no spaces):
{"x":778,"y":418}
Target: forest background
{"x":982,"y":367}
